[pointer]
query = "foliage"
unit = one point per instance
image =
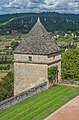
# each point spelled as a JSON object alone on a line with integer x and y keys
{"x": 6, "y": 86}
{"x": 55, "y": 84}
{"x": 42, "y": 105}
{"x": 15, "y": 44}
{"x": 6, "y": 59}
{"x": 62, "y": 38}
{"x": 52, "y": 72}
{"x": 5, "y": 67}
{"x": 70, "y": 65}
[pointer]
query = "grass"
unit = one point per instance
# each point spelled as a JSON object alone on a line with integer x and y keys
{"x": 40, "y": 106}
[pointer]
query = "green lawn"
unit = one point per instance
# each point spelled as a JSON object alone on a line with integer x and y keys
{"x": 40, "y": 106}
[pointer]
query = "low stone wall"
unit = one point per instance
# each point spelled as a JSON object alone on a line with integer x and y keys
{"x": 70, "y": 82}
{"x": 22, "y": 96}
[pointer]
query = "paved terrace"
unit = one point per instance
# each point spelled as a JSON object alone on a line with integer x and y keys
{"x": 69, "y": 111}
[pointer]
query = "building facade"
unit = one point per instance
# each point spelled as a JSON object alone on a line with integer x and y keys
{"x": 33, "y": 56}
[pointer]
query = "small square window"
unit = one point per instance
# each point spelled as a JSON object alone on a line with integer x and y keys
{"x": 30, "y": 58}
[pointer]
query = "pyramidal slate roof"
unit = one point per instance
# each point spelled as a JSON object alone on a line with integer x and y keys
{"x": 37, "y": 41}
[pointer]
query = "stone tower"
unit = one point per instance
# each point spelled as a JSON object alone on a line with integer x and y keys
{"x": 32, "y": 58}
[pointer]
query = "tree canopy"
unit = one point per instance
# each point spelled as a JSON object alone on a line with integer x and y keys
{"x": 70, "y": 65}
{"x": 6, "y": 86}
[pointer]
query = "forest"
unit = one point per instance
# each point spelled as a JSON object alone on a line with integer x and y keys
{"x": 54, "y": 22}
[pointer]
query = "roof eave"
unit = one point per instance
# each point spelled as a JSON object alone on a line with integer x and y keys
{"x": 15, "y": 52}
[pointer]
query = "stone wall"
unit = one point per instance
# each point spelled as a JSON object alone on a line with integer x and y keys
{"x": 22, "y": 96}
{"x": 46, "y": 59}
{"x": 35, "y": 58}
{"x": 54, "y": 57}
{"x": 27, "y": 75}
{"x": 70, "y": 82}
{"x": 58, "y": 63}
{"x": 53, "y": 60}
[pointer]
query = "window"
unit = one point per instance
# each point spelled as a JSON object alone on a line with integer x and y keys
{"x": 30, "y": 58}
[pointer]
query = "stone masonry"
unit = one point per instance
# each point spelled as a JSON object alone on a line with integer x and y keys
{"x": 33, "y": 57}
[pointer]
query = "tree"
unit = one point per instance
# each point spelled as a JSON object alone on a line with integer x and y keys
{"x": 8, "y": 66}
{"x": 5, "y": 59}
{"x": 70, "y": 65}
{"x": 52, "y": 72}
{"x": 2, "y": 59}
{"x": 7, "y": 86}
{"x": 15, "y": 44}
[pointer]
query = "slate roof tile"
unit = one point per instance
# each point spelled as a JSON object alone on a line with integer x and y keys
{"x": 37, "y": 41}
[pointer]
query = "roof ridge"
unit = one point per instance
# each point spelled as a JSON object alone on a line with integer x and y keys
{"x": 38, "y": 20}
{"x": 38, "y": 27}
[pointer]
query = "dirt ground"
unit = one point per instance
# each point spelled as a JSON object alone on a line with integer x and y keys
{"x": 72, "y": 85}
{"x": 70, "y": 111}
{"x": 2, "y": 75}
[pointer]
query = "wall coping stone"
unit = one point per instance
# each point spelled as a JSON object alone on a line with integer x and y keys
{"x": 70, "y": 82}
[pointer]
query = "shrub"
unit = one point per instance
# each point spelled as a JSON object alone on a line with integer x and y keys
{"x": 6, "y": 87}
{"x": 52, "y": 72}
